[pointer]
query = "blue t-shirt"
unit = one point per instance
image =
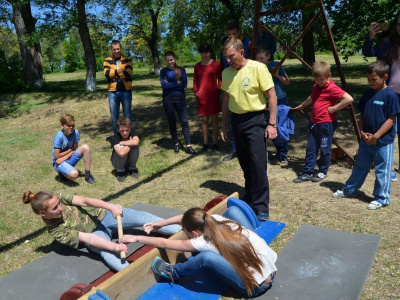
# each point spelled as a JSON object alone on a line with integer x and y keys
{"x": 172, "y": 87}
{"x": 278, "y": 86}
{"x": 63, "y": 142}
{"x": 376, "y": 107}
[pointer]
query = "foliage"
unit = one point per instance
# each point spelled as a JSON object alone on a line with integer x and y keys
{"x": 72, "y": 53}
{"x": 12, "y": 76}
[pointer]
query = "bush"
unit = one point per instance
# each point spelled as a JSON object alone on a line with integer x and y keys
{"x": 12, "y": 75}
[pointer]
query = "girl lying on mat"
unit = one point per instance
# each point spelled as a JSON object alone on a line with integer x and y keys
{"x": 72, "y": 219}
{"x": 234, "y": 253}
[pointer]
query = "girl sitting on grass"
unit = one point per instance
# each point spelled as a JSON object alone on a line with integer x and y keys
{"x": 234, "y": 253}
{"x": 72, "y": 219}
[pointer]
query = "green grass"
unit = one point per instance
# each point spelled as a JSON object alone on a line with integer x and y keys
{"x": 178, "y": 181}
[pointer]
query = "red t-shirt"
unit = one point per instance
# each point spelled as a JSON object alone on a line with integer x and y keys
{"x": 322, "y": 98}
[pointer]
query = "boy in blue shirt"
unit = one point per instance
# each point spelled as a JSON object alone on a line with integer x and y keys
{"x": 263, "y": 55}
{"x": 379, "y": 107}
{"x": 66, "y": 153}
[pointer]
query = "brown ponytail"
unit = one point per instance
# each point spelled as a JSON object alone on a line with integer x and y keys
{"x": 38, "y": 201}
{"x": 234, "y": 246}
{"x": 178, "y": 72}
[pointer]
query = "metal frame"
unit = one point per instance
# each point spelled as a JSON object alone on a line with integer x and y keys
{"x": 291, "y": 50}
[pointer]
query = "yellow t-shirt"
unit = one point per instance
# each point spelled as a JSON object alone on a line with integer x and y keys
{"x": 246, "y": 87}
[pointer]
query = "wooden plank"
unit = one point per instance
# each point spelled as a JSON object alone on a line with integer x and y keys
{"x": 138, "y": 277}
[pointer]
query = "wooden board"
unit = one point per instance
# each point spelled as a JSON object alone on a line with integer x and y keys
{"x": 138, "y": 277}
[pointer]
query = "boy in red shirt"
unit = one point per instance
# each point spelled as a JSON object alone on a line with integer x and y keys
{"x": 324, "y": 98}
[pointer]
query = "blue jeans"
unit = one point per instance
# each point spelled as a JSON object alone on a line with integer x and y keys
{"x": 235, "y": 214}
{"x": 382, "y": 158}
{"x": 217, "y": 264}
{"x": 131, "y": 219}
{"x": 67, "y": 165}
{"x": 319, "y": 140}
{"x": 115, "y": 99}
{"x": 172, "y": 103}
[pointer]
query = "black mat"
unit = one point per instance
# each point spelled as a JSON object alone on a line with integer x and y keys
{"x": 50, "y": 276}
{"x": 319, "y": 263}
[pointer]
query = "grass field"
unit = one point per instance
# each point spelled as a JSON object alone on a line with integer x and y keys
{"x": 179, "y": 181}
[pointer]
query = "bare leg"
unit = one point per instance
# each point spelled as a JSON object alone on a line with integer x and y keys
{"x": 84, "y": 150}
{"x": 204, "y": 127}
{"x": 215, "y": 127}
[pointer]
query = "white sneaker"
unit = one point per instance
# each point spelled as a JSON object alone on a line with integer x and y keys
{"x": 338, "y": 194}
{"x": 375, "y": 205}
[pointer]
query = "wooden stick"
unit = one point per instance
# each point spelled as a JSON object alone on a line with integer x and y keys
{"x": 120, "y": 234}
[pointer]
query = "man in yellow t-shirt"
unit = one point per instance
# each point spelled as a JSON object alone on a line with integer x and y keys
{"x": 246, "y": 84}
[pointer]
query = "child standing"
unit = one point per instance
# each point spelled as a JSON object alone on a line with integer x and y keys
{"x": 324, "y": 97}
{"x": 66, "y": 153}
{"x": 125, "y": 153}
{"x": 280, "y": 77}
{"x": 379, "y": 107}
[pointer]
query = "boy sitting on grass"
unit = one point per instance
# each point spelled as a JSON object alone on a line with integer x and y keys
{"x": 66, "y": 153}
{"x": 324, "y": 98}
{"x": 125, "y": 153}
{"x": 379, "y": 107}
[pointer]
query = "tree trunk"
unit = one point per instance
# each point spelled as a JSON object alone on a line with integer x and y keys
{"x": 308, "y": 39}
{"x": 30, "y": 49}
{"x": 87, "y": 46}
{"x": 152, "y": 43}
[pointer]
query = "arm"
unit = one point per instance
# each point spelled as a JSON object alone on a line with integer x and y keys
{"x": 219, "y": 76}
{"x": 369, "y": 49}
{"x": 99, "y": 242}
{"x": 307, "y": 102}
{"x": 271, "y": 131}
{"x": 195, "y": 79}
{"x": 225, "y": 117}
{"x": 165, "y": 83}
{"x": 179, "y": 245}
{"x": 153, "y": 226}
{"x": 116, "y": 209}
{"x": 63, "y": 156}
{"x": 373, "y": 139}
{"x": 345, "y": 101}
{"x": 283, "y": 79}
{"x": 132, "y": 142}
{"x": 126, "y": 70}
{"x": 183, "y": 82}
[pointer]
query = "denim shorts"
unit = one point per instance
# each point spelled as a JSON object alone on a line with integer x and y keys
{"x": 66, "y": 166}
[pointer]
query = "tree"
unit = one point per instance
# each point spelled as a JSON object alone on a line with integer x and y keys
{"x": 144, "y": 18}
{"x": 72, "y": 13}
{"x": 25, "y": 27}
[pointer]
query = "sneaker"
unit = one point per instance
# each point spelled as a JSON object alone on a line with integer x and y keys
{"x": 134, "y": 173}
{"x": 262, "y": 216}
{"x": 205, "y": 147}
{"x": 338, "y": 194}
{"x": 283, "y": 161}
{"x": 163, "y": 269}
{"x": 318, "y": 177}
{"x": 121, "y": 176}
{"x": 393, "y": 176}
{"x": 230, "y": 156}
{"x": 190, "y": 150}
{"x": 302, "y": 177}
{"x": 374, "y": 205}
{"x": 89, "y": 178}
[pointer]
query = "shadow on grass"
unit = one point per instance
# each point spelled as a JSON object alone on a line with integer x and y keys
{"x": 334, "y": 186}
{"x": 223, "y": 187}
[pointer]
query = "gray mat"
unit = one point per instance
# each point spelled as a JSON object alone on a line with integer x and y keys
{"x": 50, "y": 276}
{"x": 319, "y": 263}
